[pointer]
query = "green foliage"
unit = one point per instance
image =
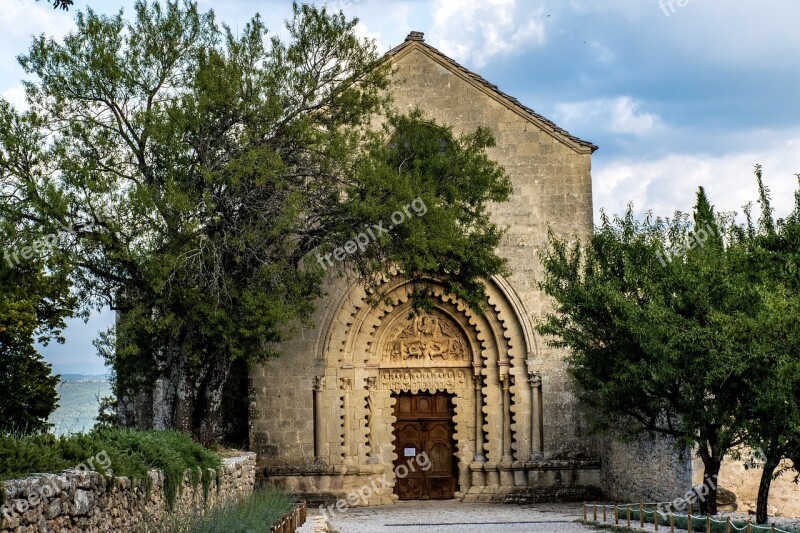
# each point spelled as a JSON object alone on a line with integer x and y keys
{"x": 205, "y": 168}
{"x": 642, "y": 327}
{"x": 694, "y": 341}
{"x": 452, "y": 239}
{"x": 130, "y": 453}
{"x": 768, "y": 336}
{"x": 35, "y": 300}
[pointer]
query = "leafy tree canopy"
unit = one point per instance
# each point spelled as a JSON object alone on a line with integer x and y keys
{"x": 205, "y": 169}
{"x": 642, "y": 306}
{"x": 35, "y": 299}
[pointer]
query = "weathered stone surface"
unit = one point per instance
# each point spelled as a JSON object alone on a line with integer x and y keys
{"x": 79, "y": 501}
{"x": 784, "y": 494}
{"x": 646, "y": 470}
{"x": 335, "y": 383}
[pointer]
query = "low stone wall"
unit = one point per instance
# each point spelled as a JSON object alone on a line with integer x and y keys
{"x": 645, "y": 471}
{"x": 88, "y": 502}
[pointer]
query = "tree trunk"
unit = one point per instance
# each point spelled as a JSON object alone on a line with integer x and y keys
{"x": 763, "y": 491}
{"x": 209, "y": 408}
{"x": 183, "y": 402}
{"x": 711, "y": 467}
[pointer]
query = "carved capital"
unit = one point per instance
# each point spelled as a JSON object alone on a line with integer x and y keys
{"x": 534, "y": 379}
{"x": 319, "y": 383}
{"x": 346, "y": 383}
{"x": 371, "y": 383}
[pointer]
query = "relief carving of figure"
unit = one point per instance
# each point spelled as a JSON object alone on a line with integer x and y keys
{"x": 427, "y": 337}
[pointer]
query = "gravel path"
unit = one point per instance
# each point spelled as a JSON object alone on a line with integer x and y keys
{"x": 451, "y": 517}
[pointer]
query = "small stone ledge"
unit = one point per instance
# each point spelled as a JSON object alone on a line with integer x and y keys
{"x": 553, "y": 495}
{"x": 559, "y": 464}
{"x": 311, "y": 469}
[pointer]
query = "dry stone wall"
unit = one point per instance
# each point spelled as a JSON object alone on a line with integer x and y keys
{"x": 85, "y": 501}
{"x": 646, "y": 470}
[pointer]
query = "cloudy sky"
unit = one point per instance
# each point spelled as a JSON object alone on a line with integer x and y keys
{"x": 676, "y": 93}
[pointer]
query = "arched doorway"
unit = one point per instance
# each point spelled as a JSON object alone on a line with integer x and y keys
{"x": 373, "y": 353}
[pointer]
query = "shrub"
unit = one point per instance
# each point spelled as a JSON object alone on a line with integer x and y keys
{"x": 255, "y": 513}
{"x": 130, "y": 453}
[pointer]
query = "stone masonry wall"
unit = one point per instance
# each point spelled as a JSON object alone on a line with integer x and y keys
{"x": 784, "y": 494}
{"x": 85, "y": 501}
{"x": 552, "y": 191}
{"x": 645, "y": 471}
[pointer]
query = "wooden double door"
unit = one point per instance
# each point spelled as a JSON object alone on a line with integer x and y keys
{"x": 424, "y": 438}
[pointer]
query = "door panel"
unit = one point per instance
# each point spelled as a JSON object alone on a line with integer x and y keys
{"x": 409, "y": 444}
{"x": 439, "y": 447}
{"x": 424, "y": 424}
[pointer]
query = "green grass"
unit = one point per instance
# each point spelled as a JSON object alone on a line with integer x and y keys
{"x": 250, "y": 515}
{"x": 131, "y": 453}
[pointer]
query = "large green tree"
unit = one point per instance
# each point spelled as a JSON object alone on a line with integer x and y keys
{"x": 210, "y": 167}
{"x": 640, "y": 306}
{"x": 30, "y": 302}
{"x": 35, "y": 298}
{"x": 766, "y": 333}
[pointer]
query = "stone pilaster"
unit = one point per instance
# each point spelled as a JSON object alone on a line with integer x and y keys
{"x": 319, "y": 423}
{"x": 537, "y": 432}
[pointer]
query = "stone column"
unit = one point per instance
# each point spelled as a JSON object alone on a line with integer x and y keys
{"x": 476, "y": 467}
{"x": 505, "y": 466}
{"x": 505, "y": 380}
{"x": 374, "y": 453}
{"x": 537, "y": 431}
{"x": 319, "y": 384}
{"x": 346, "y": 384}
{"x": 479, "y": 457}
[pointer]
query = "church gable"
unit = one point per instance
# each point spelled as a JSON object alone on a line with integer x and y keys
{"x": 417, "y": 51}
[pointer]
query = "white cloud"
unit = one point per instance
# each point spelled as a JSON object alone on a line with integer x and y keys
{"x": 363, "y": 32}
{"x": 16, "y": 96}
{"x": 474, "y": 32}
{"x": 19, "y": 19}
{"x": 669, "y": 183}
{"x": 619, "y": 115}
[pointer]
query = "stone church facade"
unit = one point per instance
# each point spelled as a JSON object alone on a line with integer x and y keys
{"x": 480, "y": 396}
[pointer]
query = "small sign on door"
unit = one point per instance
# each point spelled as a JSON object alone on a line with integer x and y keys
{"x": 409, "y": 452}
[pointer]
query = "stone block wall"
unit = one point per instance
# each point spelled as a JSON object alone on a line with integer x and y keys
{"x": 84, "y": 501}
{"x": 646, "y": 470}
{"x": 784, "y": 493}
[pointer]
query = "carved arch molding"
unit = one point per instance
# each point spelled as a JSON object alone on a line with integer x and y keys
{"x": 484, "y": 358}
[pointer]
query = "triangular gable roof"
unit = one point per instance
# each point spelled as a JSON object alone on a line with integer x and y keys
{"x": 415, "y": 41}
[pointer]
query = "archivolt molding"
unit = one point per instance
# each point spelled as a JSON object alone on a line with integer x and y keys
{"x": 357, "y": 332}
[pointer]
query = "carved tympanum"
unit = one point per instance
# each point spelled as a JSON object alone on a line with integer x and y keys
{"x": 426, "y": 338}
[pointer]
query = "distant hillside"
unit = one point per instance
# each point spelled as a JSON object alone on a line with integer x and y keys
{"x": 79, "y": 396}
{"x": 85, "y": 377}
